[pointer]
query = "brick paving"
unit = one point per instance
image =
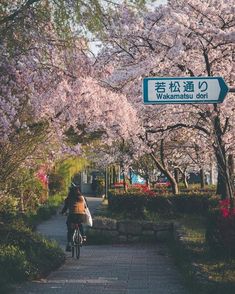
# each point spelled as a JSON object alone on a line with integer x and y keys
{"x": 108, "y": 269}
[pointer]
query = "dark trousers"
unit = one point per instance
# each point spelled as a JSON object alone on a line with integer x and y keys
{"x": 74, "y": 219}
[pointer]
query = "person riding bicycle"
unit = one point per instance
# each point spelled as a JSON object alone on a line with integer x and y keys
{"x": 75, "y": 203}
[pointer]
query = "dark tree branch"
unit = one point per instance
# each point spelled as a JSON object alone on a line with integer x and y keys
{"x": 184, "y": 68}
{"x": 131, "y": 55}
{"x": 162, "y": 153}
{"x": 208, "y": 67}
{"x": 178, "y": 126}
{"x": 225, "y": 126}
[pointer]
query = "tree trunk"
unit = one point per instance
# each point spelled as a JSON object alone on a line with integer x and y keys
{"x": 114, "y": 174}
{"x": 119, "y": 174}
{"x": 124, "y": 176}
{"x": 184, "y": 177}
{"x": 124, "y": 182}
{"x": 176, "y": 174}
{"x": 174, "y": 185}
{"x": 224, "y": 185}
{"x": 106, "y": 183}
{"x": 166, "y": 173}
{"x": 212, "y": 173}
{"x": 147, "y": 182}
{"x": 231, "y": 168}
{"x": 202, "y": 178}
{"x": 130, "y": 172}
{"x": 224, "y": 180}
{"x": 110, "y": 177}
{"x": 185, "y": 180}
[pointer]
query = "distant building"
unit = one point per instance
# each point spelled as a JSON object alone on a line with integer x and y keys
{"x": 88, "y": 180}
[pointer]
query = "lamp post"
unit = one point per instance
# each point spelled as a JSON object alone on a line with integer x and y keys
{"x": 106, "y": 183}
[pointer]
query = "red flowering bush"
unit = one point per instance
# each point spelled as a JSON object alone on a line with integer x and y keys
{"x": 119, "y": 184}
{"x": 227, "y": 210}
{"x": 221, "y": 228}
{"x": 146, "y": 190}
{"x": 226, "y": 225}
{"x": 135, "y": 188}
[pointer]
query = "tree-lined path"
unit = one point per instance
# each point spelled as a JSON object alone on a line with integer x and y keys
{"x": 111, "y": 269}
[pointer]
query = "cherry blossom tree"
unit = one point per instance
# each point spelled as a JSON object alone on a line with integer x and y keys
{"x": 36, "y": 67}
{"x": 48, "y": 87}
{"x": 182, "y": 38}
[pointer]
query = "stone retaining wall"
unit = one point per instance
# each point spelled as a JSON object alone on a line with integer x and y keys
{"x": 131, "y": 231}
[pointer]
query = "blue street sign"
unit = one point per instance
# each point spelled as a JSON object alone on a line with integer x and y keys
{"x": 185, "y": 90}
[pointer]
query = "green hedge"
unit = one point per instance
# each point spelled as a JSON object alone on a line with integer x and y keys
{"x": 136, "y": 203}
{"x": 25, "y": 254}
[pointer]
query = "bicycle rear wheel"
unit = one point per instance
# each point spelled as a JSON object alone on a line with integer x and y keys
{"x": 76, "y": 243}
{"x": 73, "y": 249}
{"x": 77, "y": 251}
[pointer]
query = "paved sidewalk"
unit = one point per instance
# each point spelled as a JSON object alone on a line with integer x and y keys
{"x": 109, "y": 269}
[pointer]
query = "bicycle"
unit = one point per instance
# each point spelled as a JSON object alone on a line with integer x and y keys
{"x": 77, "y": 241}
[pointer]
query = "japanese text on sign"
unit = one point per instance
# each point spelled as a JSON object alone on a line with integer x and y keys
{"x": 165, "y": 89}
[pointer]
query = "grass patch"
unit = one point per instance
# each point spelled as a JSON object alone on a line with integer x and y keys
{"x": 204, "y": 273}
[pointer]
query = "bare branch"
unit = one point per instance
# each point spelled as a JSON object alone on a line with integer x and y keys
{"x": 178, "y": 126}
{"x": 226, "y": 125}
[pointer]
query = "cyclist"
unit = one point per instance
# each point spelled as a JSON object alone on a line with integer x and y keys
{"x": 75, "y": 203}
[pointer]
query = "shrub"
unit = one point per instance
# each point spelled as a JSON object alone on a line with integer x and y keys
{"x": 161, "y": 189}
{"x": 100, "y": 186}
{"x": 220, "y": 232}
{"x": 14, "y": 266}
{"x": 136, "y": 203}
{"x": 28, "y": 188}
{"x": 44, "y": 211}
{"x": 132, "y": 203}
{"x": 56, "y": 183}
{"x": 142, "y": 189}
{"x": 197, "y": 188}
{"x": 8, "y": 207}
{"x": 42, "y": 255}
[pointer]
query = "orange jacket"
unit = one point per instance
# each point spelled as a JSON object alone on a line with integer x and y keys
{"x": 74, "y": 206}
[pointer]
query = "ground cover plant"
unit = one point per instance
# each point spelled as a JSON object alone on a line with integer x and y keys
{"x": 204, "y": 271}
{"x": 24, "y": 254}
{"x": 44, "y": 212}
